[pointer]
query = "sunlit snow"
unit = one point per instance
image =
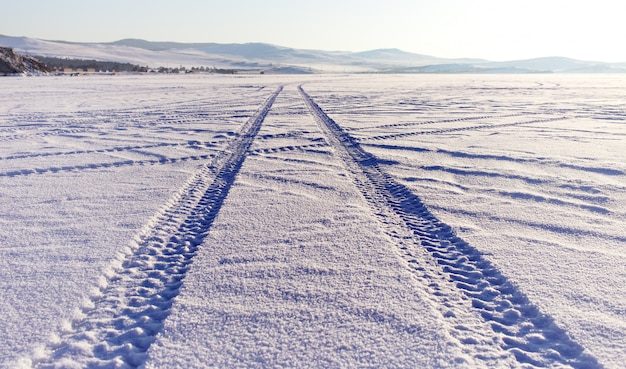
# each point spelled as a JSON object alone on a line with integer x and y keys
{"x": 313, "y": 221}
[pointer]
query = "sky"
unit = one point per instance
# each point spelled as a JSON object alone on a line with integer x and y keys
{"x": 496, "y": 30}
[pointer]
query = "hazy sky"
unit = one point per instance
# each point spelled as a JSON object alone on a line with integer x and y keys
{"x": 490, "y": 29}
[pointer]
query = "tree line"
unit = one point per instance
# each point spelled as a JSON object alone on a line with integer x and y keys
{"x": 54, "y": 63}
{"x": 84, "y": 64}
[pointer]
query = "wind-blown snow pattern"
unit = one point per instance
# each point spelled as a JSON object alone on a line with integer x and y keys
{"x": 332, "y": 221}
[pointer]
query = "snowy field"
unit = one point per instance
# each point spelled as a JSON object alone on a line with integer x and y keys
{"x": 461, "y": 221}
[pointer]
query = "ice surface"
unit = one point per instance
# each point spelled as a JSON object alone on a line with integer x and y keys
{"x": 429, "y": 221}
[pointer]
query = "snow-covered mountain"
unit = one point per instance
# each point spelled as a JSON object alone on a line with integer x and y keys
{"x": 261, "y": 56}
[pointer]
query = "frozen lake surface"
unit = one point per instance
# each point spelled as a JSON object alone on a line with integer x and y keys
{"x": 313, "y": 221}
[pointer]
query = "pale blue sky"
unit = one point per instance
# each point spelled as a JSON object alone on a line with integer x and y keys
{"x": 490, "y": 29}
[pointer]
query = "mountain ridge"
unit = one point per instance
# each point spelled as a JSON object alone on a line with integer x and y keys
{"x": 257, "y": 56}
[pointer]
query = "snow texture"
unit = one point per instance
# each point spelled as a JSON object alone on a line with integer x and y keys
{"x": 318, "y": 221}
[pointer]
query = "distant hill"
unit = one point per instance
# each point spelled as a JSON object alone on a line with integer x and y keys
{"x": 260, "y": 57}
{"x": 14, "y": 63}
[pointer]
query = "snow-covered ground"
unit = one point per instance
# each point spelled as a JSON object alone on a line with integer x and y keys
{"x": 313, "y": 221}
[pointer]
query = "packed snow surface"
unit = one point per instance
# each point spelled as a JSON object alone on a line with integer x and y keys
{"x": 320, "y": 221}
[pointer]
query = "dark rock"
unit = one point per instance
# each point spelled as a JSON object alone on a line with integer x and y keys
{"x": 14, "y": 63}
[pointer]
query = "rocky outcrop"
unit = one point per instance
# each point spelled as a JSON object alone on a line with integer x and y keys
{"x": 14, "y": 63}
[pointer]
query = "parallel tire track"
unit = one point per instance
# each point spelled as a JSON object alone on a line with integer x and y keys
{"x": 161, "y": 160}
{"x": 463, "y": 284}
{"x": 461, "y": 129}
{"x": 94, "y": 166}
{"x": 95, "y": 125}
{"x": 455, "y": 120}
{"x": 190, "y": 144}
{"x": 45, "y": 126}
{"x": 183, "y": 109}
{"x": 115, "y": 328}
{"x": 273, "y": 150}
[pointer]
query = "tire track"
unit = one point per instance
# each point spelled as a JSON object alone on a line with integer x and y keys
{"x": 119, "y": 322}
{"x": 125, "y": 120}
{"x": 190, "y": 144}
{"x": 502, "y": 158}
{"x": 461, "y": 129}
{"x": 54, "y": 132}
{"x": 456, "y": 120}
{"x": 108, "y": 124}
{"x": 274, "y": 150}
{"x": 464, "y": 285}
{"x": 85, "y": 116}
{"x": 62, "y": 124}
{"x": 93, "y": 166}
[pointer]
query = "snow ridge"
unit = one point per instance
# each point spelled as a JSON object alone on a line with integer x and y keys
{"x": 119, "y": 322}
{"x": 490, "y": 318}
